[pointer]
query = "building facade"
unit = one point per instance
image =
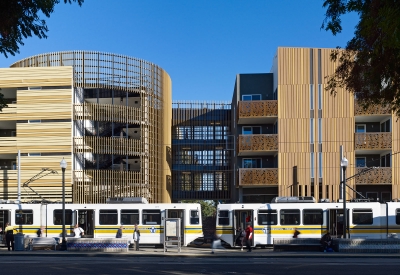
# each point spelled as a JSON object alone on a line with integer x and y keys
{"x": 108, "y": 116}
{"x": 202, "y": 150}
{"x": 290, "y": 131}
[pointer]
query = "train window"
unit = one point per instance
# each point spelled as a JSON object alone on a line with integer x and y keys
{"x": 57, "y": 217}
{"x": 129, "y": 216}
{"x": 223, "y": 217}
{"x": 290, "y": 216}
{"x": 109, "y": 216}
{"x": 151, "y": 217}
{"x": 194, "y": 217}
{"x": 397, "y": 216}
{"x": 24, "y": 217}
{"x": 267, "y": 217}
{"x": 362, "y": 216}
{"x": 312, "y": 216}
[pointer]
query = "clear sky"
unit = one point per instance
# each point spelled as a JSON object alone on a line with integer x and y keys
{"x": 201, "y": 44}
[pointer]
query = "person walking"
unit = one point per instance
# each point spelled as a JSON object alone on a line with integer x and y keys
{"x": 9, "y": 231}
{"x": 119, "y": 232}
{"x": 78, "y": 231}
{"x": 39, "y": 232}
{"x": 249, "y": 236}
{"x": 136, "y": 237}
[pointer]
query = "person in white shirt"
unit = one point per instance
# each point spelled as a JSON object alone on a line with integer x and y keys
{"x": 78, "y": 231}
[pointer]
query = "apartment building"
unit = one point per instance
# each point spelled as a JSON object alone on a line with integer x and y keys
{"x": 202, "y": 150}
{"x": 290, "y": 131}
{"x": 107, "y": 115}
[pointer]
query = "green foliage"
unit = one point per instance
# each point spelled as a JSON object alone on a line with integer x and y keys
{"x": 21, "y": 19}
{"x": 208, "y": 208}
{"x": 369, "y": 66}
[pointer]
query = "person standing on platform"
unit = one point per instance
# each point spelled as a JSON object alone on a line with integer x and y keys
{"x": 136, "y": 237}
{"x": 249, "y": 236}
{"x": 9, "y": 231}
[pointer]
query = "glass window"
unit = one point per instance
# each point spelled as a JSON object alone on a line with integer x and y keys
{"x": 57, "y": 217}
{"x": 290, "y": 216}
{"x": 223, "y": 217}
{"x": 246, "y": 97}
{"x": 361, "y": 162}
{"x": 362, "y": 216}
{"x": 151, "y": 217}
{"x": 129, "y": 216}
{"x": 267, "y": 217}
{"x": 312, "y": 216}
{"x": 312, "y": 97}
{"x": 360, "y": 128}
{"x": 24, "y": 217}
{"x": 397, "y": 216}
{"x": 194, "y": 217}
{"x": 34, "y": 154}
{"x": 109, "y": 216}
{"x": 251, "y": 163}
{"x": 34, "y": 121}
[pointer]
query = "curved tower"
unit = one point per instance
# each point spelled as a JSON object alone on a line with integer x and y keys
{"x": 121, "y": 125}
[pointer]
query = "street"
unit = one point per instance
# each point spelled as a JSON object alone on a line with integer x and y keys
{"x": 178, "y": 265}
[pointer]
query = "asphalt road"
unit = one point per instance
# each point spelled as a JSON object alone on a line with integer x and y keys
{"x": 177, "y": 265}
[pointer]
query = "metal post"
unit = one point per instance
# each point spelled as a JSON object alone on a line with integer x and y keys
{"x": 344, "y": 204}
{"x": 63, "y": 165}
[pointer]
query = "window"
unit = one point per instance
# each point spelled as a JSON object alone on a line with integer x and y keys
{"x": 151, "y": 217}
{"x": 194, "y": 217}
{"x": 108, "y": 217}
{"x": 251, "y": 130}
{"x": 385, "y": 126}
{"x": 251, "y": 163}
{"x": 319, "y": 97}
{"x": 57, "y": 217}
{"x": 311, "y": 131}
{"x": 311, "y": 96}
{"x": 34, "y": 121}
{"x": 130, "y": 216}
{"x": 362, "y": 216}
{"x": 24, "y": 217}
{"x": 361, "y": 162}
{"x": 320, "y": 164}
{"x": 312, "y": 165}
{"x": 267, "y": 217}
{"x": 312, "y": 216}
{"x": 251, "y": 97}
{"x": 397, "y": 216}
{"x": 35, "y": 88}
{"x": 34, "y": 154}
{"x": 360, "y": 128}
{"x": 290, "y": 216}
{"x": 386, "y": 196}
{"x": 223, "y": 217}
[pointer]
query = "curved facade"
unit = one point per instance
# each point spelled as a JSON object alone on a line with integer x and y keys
{"x": 121, "y": 125}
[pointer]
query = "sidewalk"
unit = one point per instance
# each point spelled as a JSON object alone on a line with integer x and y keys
{"x": 197, "y": 252}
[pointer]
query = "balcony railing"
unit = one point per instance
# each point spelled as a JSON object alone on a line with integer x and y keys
{"x": 371, "y": 110}
{"x": 259, "y": 108}
{"x": 370, "y": 141}
{"x": 379, "y": 175}
{"x": 258, "y": 176}
{"x": 258, "y": 143}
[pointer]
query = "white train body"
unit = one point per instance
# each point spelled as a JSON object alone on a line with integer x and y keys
{"x": 279, "y": 220}
{"x": 103, "y": 220}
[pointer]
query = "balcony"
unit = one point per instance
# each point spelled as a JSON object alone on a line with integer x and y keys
{"x": 373, "y": 141}
{"x": 380, "y": 175}
{"x": 258, "y": 176}
{"x": 252, "y": 145}
{"x": 260, "y": 111}
{"x": 371, "y": 110}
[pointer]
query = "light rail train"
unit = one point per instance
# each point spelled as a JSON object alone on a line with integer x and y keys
{"x": 103, "y": 220}
{"x": 372, "y": 220}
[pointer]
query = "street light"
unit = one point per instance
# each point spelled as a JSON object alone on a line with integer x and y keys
{"x": 63, "y": 165}
{"x": 343, "y": 163}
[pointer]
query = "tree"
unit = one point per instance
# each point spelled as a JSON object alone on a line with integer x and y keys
{"x": 369, "y": 66}
{"x": 20, "y": 19}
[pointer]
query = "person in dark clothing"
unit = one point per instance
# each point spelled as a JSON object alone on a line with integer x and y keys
{"x": 39, "y": 232}
{"x": 119, "y": 232}
{"x": 136, "y": 237}
{"x": 296, "y": 233}
{"x": 326, "y": 241}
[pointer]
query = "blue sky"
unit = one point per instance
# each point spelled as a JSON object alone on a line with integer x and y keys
{"x": 202, "y": 45}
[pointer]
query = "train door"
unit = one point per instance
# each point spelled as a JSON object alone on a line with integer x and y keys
{"x": 241, "y": 217}
{"x": 335, "y": 222}
{"x": 4, "y": 218}
{"x": 85, "y": 219}
{"x": 178, "y": 214}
